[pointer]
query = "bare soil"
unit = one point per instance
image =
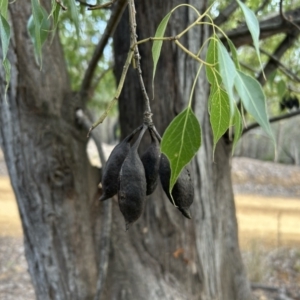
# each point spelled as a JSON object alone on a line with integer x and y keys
{"x": 268, "y": 211}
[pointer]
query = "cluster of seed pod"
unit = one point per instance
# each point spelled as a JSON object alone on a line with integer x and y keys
{"x": 133, "y": 177}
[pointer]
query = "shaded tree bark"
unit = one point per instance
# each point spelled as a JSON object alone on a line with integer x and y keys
{"x": 210, "y": 266}
{"x": 46, "y": 157}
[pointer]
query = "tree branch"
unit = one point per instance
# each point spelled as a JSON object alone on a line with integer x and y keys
{"x": 272, "y": 120}
{"x": 226, "y": 13}
{"x": 271, "y": 26}
{"x": 283, "y": 16}
{"x": 109, "y": 30}
{"x": 272, "y": 64}
{"x": 281, "y": 66}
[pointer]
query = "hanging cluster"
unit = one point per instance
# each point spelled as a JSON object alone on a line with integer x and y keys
{"x": 133, "y": 177}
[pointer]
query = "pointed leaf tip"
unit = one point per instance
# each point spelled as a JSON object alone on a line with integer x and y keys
{"x": 156, "y": 48}
{"x": 181, "y": 141}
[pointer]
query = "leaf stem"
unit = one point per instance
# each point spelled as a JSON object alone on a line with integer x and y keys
{"x": 188, "y": 5}
{"x": 194, "y": 84}
{"x": 169, "y": 38}
{"x": 192, "y": 54}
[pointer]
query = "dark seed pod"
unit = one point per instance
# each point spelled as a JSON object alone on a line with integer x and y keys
{"x": 132, "y": 185}
{"x": 151, "y": 160}
{"x": 183, "y": 190}
{"x": 113, "y": 165}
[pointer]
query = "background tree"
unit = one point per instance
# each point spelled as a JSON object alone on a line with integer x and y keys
{"x": 67, "y": 234}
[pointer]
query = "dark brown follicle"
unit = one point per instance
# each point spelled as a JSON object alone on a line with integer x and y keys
{"x": 113, "y": 166}
{"x": 132, "y": 185}
{"x": 183, "y": 190}
{"x": 151, "y": 160}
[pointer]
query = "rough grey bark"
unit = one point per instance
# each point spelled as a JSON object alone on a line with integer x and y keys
{"x": 46, "y": 157}
{"x": 210, "y": 266}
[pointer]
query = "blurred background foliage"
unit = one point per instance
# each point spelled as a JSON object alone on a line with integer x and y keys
{"x": 78, "y": 53}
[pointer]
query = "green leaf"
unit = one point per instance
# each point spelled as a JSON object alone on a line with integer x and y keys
{"x": 271, "y": 77}
{"x": 281, "y": 88}
{"x": 5, "y": 35}
{"x": 7, "y": 67}
{"x": 253, "y": 98}
{"x": 4, "y": 8}
{"x": 213, "y": 89}
{"x": 5, "y": 39}
{"x": 234, "y": 54}
{"x": 38, "y": 27}
{"x": 55, "y": 15}
{"x": 74, "y": 14}
{"x": 156, "y": 48}
{"x": 35, "y": 32}
{"x": 219, "y": 114}
{"x": 253, "y": 26}
{"x": 212, "y": 73}
{"x": 238, "y": 127}
{"x": 181, "y": 142}
{"x": 228, "y": 73}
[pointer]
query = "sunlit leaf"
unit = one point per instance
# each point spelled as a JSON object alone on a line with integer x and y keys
{"x": 156, "y": 48}
{"x": 228, "y": 73}
{"x": 5, "y": 39}
{"x": 35, "y": 26}
{"x": 212, "y": 73}
{"x": 238, "y": 127}
{"x": 281, "y": 88}
{"x": 7, "y": 67}
{"x": 253, "y": 98}
{"x": 40, "y": 23}
{"x": 55, "y": 15}
{"x": 234, "y": 54}
{"x": 181, "y": 142}
{"x": 213, "y": 89}
{"x": 74, "y": 14}
{"x": 5, "y": 35}
{"x": 253, "y": 26}
{"x": 3, "y": 8}
{"x": 219, "y": 114}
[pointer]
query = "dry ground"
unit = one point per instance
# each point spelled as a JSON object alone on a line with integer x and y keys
{"x": 268, "y": 219}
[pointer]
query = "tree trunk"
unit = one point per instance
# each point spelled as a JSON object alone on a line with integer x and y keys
{"x": 163, "y": 255}
{"x": 175, "y": 258}
{"x": 46, "y": 157}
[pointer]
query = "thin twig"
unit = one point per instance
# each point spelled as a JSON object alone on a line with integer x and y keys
{"x": 283, "y": 16}
{"x": 150, "y": 39}
{"x": 132, "y": 20}
{"x": 272, "y": 120}
{"x": 255, "y": 285}
{"x": 101, "y": 6}
{"x": 109, "y": 31}
{"x": 61, "y": 5}
{"x": 117, "y": 93}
